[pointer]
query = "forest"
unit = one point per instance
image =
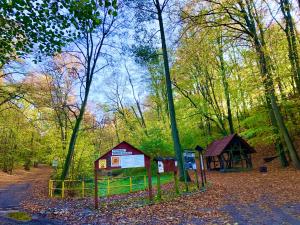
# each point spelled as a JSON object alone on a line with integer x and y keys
{"x": 78, "y": 77}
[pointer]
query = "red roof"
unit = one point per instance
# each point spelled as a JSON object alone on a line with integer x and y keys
{"x": 125, "y": 145}
{"x": 217, "y": 147}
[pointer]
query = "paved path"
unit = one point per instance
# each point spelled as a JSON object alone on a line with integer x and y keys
{"x": 10, "y": 199}
{"x": 254, "y": 213}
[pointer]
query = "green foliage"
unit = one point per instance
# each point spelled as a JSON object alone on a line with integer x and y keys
{"x": 257, "y": 128}
{"x": 156, "y": 143}
{"x": 31, "y": 124}
{"x": 46, "y": 26}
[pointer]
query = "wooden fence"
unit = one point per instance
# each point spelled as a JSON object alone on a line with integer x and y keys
{"x": 108, "y": 183}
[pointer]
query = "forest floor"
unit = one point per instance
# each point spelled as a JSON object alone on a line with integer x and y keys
{"x": 231, "y": 198}
{"x": 15, "y": 188}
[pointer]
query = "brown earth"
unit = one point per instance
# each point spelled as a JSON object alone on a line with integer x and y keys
{"x": 244, "y": 197}
{"x": 34, "y": 175}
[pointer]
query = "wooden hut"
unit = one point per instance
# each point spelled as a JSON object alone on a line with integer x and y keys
{"x": 229, "y": 152}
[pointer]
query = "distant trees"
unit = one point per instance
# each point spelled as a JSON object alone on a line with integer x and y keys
{"x": 243, "y": 21}
{"x": 234, "y": 68}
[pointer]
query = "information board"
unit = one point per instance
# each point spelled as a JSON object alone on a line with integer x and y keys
{"x": 120, "y": 152}
{"x": 122, "y": 156}
{"x": 132, "y": 161}
{"x": 189, "y": 160}
{"x": 102, "y": 163}
{"x": 115, "y": 161}
{"x": 160, "y": 166}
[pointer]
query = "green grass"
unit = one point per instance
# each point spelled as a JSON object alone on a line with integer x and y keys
{"x": 20, "y": 216}
{"x": 120, "y": 185}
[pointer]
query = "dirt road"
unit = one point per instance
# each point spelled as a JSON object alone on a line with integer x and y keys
{"x": 16, "y": 188}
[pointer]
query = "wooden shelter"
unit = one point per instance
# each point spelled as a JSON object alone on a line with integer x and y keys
{"x": 229, "y": 152}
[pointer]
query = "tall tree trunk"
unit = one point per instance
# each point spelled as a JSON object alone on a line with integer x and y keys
{"x": 275, "y": 111}
{"x": 278, "y": 144}
{"x": 253, "y": 22}
{"x": 175, "y": 135}
{"x": 225, "y": 84}
{"x": 292, "y": 42}
{"x": 74, "y": 135}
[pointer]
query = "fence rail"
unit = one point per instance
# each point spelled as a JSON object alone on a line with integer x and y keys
{"x": 81, "y": 185}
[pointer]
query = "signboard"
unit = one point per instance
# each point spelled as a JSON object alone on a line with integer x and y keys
{"x": 122, "y": 156}
{"x": 160, "y": 166}
{"x": 115, "y": 161}
{"x": 55, "y": 163}
{"x": 120, "y": 152}
{"x": 102, "y": 163}
{"x": 166, "y": 165}
{"x": 189, "y": 160}
{"x": 132, "y": 161}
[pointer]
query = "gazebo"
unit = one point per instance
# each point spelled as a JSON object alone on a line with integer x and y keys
{"x": 228, "y": 153}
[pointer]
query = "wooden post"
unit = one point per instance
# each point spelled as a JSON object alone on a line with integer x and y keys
{"x": 108, "y": 188}
{"x": 197, "y": 180}
{"x": 185, "y": 181}
{"x": 51, "y": 182}
{"x": 82, "y": 186}
{"x": 201, "y": 169}
{"x": 176, "y": 182}
{"x": 96, "y": 186}
{"x": 63, "y": 189}
{"x": 49, "y": 188}
{"x": 52, "y": 188}
{"x": 158, "y": 187}
{"x": 130, "y": 184}
{"x": 149, "y": 181}
{"x": 145, "y": 184}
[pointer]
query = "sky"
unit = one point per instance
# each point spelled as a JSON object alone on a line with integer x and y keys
{"x": 106, "y": 79}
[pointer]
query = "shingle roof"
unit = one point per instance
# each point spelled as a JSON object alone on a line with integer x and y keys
{"x": 217, "y": 147}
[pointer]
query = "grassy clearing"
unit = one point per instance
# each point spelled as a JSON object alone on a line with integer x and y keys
{"x": 20, "y": 216}
{"x": 113, "y": 185}
{"x": 121, "y": 185}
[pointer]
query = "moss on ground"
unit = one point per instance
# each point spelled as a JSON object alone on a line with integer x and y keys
{"x": 20, "y": 216}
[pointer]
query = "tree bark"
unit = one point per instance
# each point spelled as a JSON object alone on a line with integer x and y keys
{"x": 176, "y": 141}
{"x": 292, "y": 42}
{"x": 225, "y": 84}
{"x": 259, "y": 44}
{"x": 74, "y": 135}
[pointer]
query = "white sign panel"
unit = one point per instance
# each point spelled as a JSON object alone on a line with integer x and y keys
{"x": 132, "y": 161}
{"x": 120, "y": 152}
{"x": 202, "y": 164}
{"x": 54, "y": 162}
{"x": 160, "y": 165}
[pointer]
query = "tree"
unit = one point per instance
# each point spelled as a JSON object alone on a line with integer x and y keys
{"x": 155, "y": 10}
{"x": 95, "y": 23}
{"x": 290, "y": 33}
{"x": 60, "y": 79}
{"x": 242, "y": 17}
{"x": 225, "y": 82}
{"x": 42, "y": 27}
